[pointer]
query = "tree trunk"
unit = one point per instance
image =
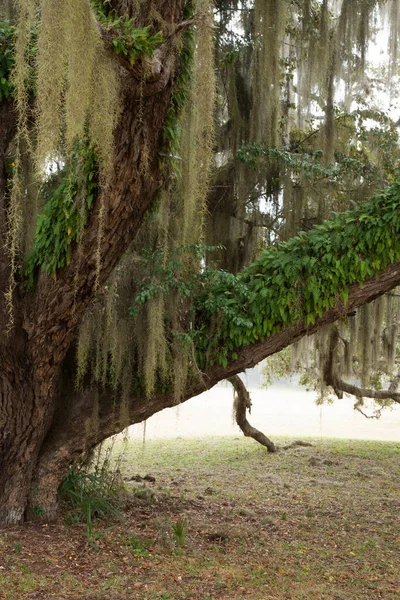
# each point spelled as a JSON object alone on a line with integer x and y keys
{"x": 46, "y": 318}
{"x": 24, "y": 419}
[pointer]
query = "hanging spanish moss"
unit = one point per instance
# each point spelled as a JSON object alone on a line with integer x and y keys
{"x": 151, "y": 343}
{"x": 51, "y": 62}
{"x": 198, "y": 127}
{"x": 74, "y": 73}
{"x": 135, "y": 337}
{"x": 77, "y": 91}
{"x": 365, "y": 352}
{"x": 20, "y": 75}
{"x": 391, "y": 329}
{"x": 270, "y": 21}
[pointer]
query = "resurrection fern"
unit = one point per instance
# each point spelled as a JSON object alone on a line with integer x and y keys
{"x": 134, "y": 42}
{"x": 129, "y": 40}
{"x": 60, "y": 223}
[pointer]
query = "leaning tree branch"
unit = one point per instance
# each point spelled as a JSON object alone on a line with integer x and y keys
{"x": 142, "y": 408}
{"x": 360, "y": 392}
{"x": 359, "y": 404}
{"x": 359, "y": 294}
{"x": 241, "y": 404}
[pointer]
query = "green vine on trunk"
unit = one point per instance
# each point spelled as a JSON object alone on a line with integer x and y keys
{"x": 163, "y": 276}
{"x": 171, "y": 131}
{"x": 62, "y": 219}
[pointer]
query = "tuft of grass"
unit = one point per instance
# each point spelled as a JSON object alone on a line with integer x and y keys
{"x": 92, "y": 494}
{"x": 180, "y": 531}
{"x": 138, "y": 545}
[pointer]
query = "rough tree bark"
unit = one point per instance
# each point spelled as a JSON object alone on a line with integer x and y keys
{"x": 42, "y": 417}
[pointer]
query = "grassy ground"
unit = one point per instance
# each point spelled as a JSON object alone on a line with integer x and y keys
{"x": 225, "y": 520}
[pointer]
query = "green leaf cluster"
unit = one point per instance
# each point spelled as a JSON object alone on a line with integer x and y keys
{"x": 129, "y": 40}
{"x": 310, "y": 164}
{"x": 160, "y": 275}
{"x": 62, "y": 218}
{"x": 356, "y": 164}
{"x": 297, "y": 280}
{"x": 7, "y": 40}
{"x": 132, "y": 41}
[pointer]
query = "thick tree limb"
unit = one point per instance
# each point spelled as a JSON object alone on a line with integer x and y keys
{"x": 241, "y": 404}
{"x": 360, "y": 392}
{"x": 70, "y": 416}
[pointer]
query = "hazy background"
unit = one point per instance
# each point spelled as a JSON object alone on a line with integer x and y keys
{"x": 283, "y": 409}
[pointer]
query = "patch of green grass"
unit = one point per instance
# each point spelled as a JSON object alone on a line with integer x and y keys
{"x": 339, "y": 537}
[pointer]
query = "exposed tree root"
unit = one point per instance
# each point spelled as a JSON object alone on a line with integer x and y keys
{"x": 296, "y": 443}
{"x": 242, "y": 403}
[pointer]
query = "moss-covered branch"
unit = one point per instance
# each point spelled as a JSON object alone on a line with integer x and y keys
{"x": 298, "y": 281}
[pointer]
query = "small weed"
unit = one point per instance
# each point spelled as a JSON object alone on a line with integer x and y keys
{"x": 180, "y": 531}
{"x": 24, "y": 569}
{"x": 284, "y": 516}
{"x": 17, "y": 548}
{"x": 38, "y": 512}
{"x": 138, "y": 546}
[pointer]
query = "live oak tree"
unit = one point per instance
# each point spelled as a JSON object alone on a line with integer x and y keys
{"x": 110, "y": 308}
